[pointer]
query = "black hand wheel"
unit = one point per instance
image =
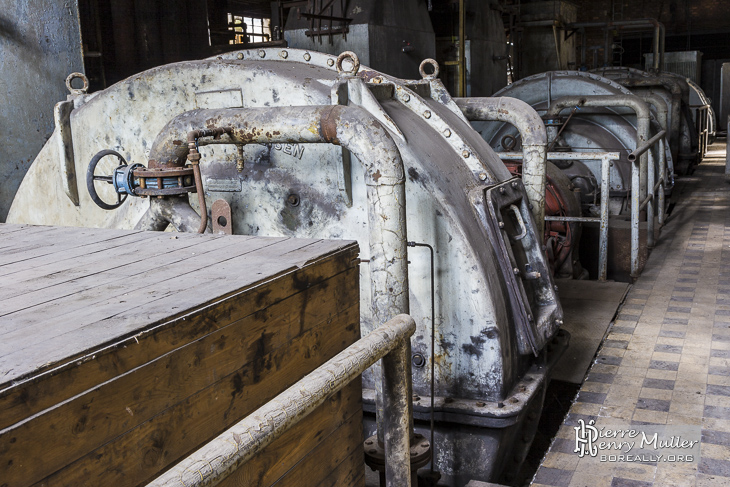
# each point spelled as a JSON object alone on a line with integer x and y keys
{"x": 91, "y": 177}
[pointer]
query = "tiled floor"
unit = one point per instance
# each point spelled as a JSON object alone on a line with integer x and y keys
{"x": 666, "y": 359}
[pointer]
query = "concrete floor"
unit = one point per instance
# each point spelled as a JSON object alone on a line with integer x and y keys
{"x": 588, "y": 308}
{"x": 665, "y": 365}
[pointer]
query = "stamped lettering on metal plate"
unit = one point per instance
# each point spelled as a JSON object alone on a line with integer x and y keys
{"x": 296, "y": 150}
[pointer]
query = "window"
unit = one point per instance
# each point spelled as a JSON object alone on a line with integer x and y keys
{"x": 249, "y": 29}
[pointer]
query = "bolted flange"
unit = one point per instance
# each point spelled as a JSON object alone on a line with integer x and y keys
{"x": 375, "y": 454}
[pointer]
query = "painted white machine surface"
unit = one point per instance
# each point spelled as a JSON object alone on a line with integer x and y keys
{"x": 495, "y": 304}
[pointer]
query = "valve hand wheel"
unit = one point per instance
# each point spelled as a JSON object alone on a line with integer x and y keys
{"x": 91, "y": 177}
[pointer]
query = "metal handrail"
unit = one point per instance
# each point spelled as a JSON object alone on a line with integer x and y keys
{"x": 219, "y": 458}
{"x": 606, "y": 159}
{"x": 654, "y": 183}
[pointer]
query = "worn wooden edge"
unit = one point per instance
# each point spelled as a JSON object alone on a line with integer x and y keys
{"x": 81, "y": 373}
{"x": 308, "y": 274}
{"x": 154, "y": 445}
{"x": 108, "y": 410}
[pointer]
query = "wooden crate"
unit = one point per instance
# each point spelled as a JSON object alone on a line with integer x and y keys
{"x": 122, "y": 352}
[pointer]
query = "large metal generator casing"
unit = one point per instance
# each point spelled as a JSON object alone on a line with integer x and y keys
{"x": 590, "y": 129}
{"x": 495, "y": 309}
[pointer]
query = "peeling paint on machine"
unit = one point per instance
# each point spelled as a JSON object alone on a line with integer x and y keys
{"x": 400, "y": 141}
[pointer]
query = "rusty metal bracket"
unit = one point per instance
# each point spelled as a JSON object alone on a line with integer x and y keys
{"x": 220, "y": 213}
{"x": 66, "y": 161}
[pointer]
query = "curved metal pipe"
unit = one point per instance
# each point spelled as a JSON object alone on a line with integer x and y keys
{"x": 662, "y": 115}
{"x": 638, "y": 177}
{"x": 174, "y": 210}
{"x": 534, "y": 142}
{"x": 678, "y": 93}
{"x": 350, "y": 127}
{"x": 194, "y": 158}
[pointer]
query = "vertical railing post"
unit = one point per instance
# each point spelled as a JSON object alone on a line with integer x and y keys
{"x": 606, "y": 164}
{"x": 650, "y": 204}
{"x": 663, "y": 181}
{"x": 398, "y": 415}
{"x": 635, "y": 211}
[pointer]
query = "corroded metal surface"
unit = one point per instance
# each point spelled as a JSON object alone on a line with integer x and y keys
{"x": 534, "y": 142}
{"x": 220, "y": 217}
{"x": 306, "y": 186}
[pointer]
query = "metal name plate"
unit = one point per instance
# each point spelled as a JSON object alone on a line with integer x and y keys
{"x": 223, "y": 185}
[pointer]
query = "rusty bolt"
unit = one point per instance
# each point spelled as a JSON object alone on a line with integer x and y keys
{"x": 330, "y": 62}
{"x": 483, "y": 176}
{"x": 481, "y": 404}
{"x": 240, "y": 55}
{"x": 447, "y": 133}
{"x": 406, "y": 97}
{"x": 465, "y": 154}
{"x": 427, "y": 114}
{"x": 262, "y": 53}
{"x": 284, "y": 54}
{"x": 377, "y": 80}
{"x": 307, "y": 57}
